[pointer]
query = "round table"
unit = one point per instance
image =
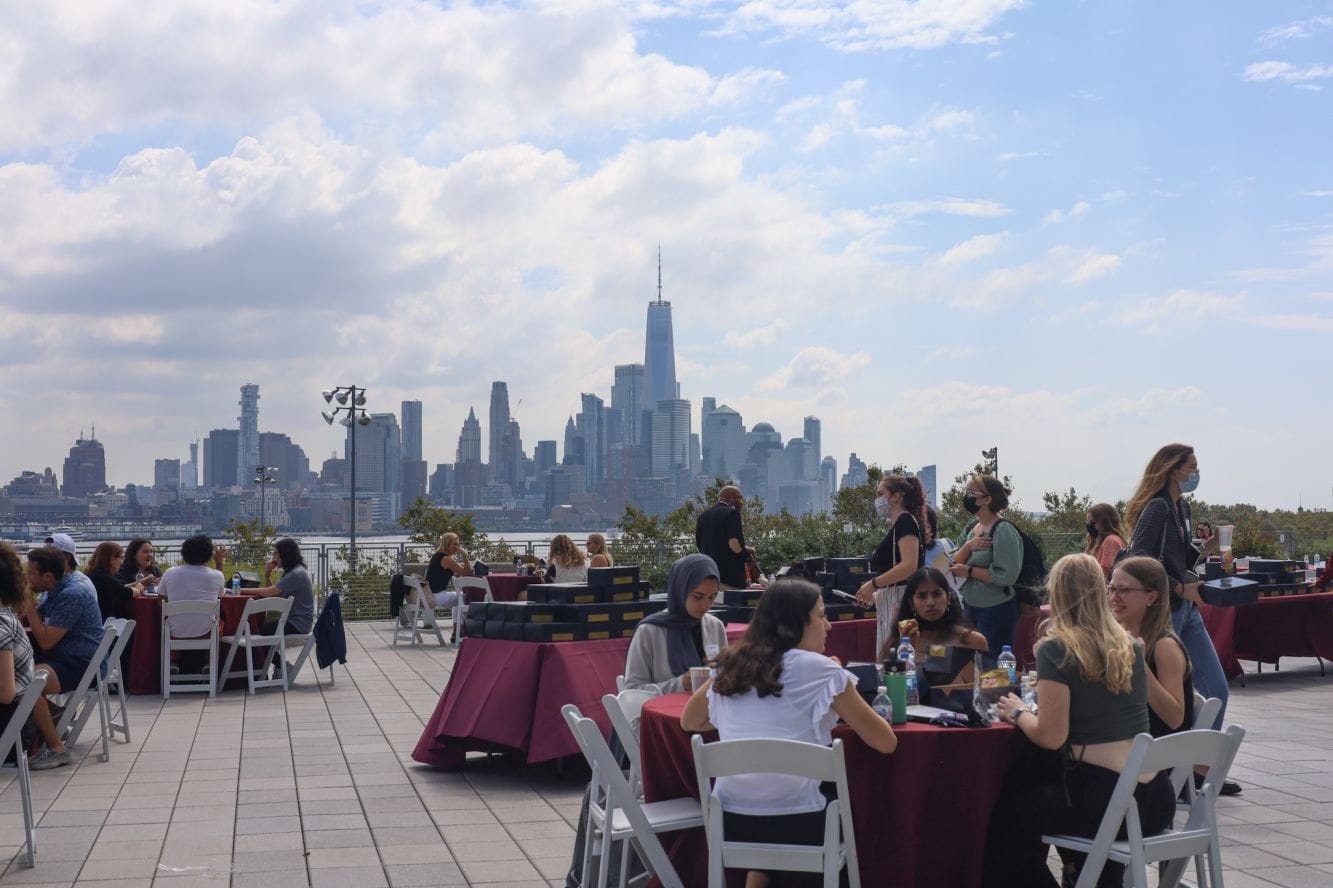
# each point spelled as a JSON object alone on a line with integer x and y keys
{"x": 921, "y": 813}
{"x": 507, "y": 586}
{"x": 144, "y": 674}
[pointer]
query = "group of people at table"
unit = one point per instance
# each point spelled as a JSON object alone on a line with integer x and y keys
{"x": 52, "y": 613}
{"x": 568, "y": 564}
{"x": 1115, "y": 658}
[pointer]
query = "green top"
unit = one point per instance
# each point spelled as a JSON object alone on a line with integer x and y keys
{"x": 1095, "y": 714}
{"x": 1005, "y": 560}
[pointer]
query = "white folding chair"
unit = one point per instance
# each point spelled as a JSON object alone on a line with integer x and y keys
{"x": 730, "y": 757}
{"x": 620, "y": 683}
{"x": 1205, "y": 711}
{"x": 11, "y": 740}
{"x": 183, "y": 682}
{"x": 624, "y": 710}
{"x": 462, "y": 585}
{"x": 1178, "y": 753}
{"x": 115, "y": 680}
{"x": 85, "y": 697}
{"x": 246, "y": 641}
{"x": 306, "y": 642}
{"x": 618, "y": 816}
{"x": 420, "y": 616}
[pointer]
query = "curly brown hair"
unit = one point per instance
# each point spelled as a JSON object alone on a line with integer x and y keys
{"x": 13, "y": 576}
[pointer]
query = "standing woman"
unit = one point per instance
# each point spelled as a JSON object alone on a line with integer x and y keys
{"x": 138, "y": 566}
{"x": 1105, "y": 538}
{"x": 1160, "y": 518}
{"x": 988, "y": 560}
{"x": 598, "y": 554}
{"x": 901, "y": 502}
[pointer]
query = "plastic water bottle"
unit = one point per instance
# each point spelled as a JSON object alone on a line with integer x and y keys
{"x": 1009, "y": 662}
{"x": 882, "y": 705}
{"x": 236, "y": 583}
{"x": 1030, "y": 689}
{"x": 907, "y": 662}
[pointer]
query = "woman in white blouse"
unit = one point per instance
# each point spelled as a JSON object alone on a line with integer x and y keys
{"x": 777, "y": 683}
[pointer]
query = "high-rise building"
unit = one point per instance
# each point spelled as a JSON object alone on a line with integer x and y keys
{"x": 379, "y": 455}
{"x": 413, "y": 473}
{"x": 857, "y": 472}
{"x": 671, "y": 439}
{"x": 543, "y": 457}
{"x": 828, "y": 473}
{"x": 628, "y": 395}
{"x": 659, "y": 352}
{"x": 278, "y": 451}
{"x": 190, "y": 470}
{"x": 930, "y": 483}
{"x": 85, "y": 467}
{"x": 801, "y": 463}
{"x": 247, "y": 453}
{"x": 442, "y": 483}
{"x": 723, "y": 443}
{"x": 499, "y": 417}
{"x": 555, "y": 488}
{"x": 573, "y": 444}
{"x": 469, "y": 439}
{"x": 592, "y": 428}
{"x": 812, "y": 434}
{"x": 220, "y": 458}
{"x": 167, "y": 474}
{"x": 509, "y": 468}
{"x": 468, "y": 470}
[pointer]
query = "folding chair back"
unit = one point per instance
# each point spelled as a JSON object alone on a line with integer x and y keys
{"x": 115, "y": 680}
{"x": 417, "y": 616}
{"x": 11, "y": 740}
{"x": 195, "y": 681}
{"x": 246, "y": 641}
{"x": 469, "y": 589}
{"x": 625, "y": 817}
{"x": 624, "y": 710}
{"x": 1205, "y": 711}
{"x": 1178, "y": 754}
{"x": 86, "y": 696}
{"x": 809, "y": 760}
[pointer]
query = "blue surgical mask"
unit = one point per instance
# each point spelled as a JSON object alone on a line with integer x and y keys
{"x": 1190, "y": 483}
{"x": 882, "y": 506}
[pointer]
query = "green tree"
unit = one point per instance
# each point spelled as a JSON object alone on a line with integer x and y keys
{"x": 427, "y": 522}
{"x": 1065, "y": 511}
{"x": 251, "y": 543}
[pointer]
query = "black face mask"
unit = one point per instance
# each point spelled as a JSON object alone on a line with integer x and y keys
{"x": 970, "y": 504}
{"x": 1092, "y": 528}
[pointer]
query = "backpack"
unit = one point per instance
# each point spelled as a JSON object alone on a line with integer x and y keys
{"x": 1029, "y": 587}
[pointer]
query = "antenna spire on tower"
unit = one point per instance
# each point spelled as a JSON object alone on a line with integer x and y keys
{"x": 659, "y": 274}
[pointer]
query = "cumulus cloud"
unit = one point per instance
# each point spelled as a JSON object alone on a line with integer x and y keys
{"x": 1055, "y": 217}
{"x": 753, "y": 337}
{"x": 1287, "y": 72}
{"x": 1298, "y": 30}
{"x": 974, "y": 248}
{"x": 950, "y": 206}
{"x": 815, "y": 367}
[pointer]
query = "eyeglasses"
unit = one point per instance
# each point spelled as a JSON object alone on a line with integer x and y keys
{"x": 1119, "y": 591}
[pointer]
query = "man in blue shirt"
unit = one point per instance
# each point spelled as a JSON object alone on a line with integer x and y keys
{"x": 66, "y": 630}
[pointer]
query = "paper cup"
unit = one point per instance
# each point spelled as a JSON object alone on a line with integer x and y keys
{"x": 1224, "y": 532}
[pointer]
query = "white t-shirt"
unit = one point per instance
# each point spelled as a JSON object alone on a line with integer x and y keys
{"x": 803, "y": 711}
{"x": 190, "y": 582}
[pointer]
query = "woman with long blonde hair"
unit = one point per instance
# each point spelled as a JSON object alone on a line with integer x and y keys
{"x": 568, "y": 563}
{"x": 1105, "y": 537}
{"x": 1093, "y": 687}
{"x": 598, "y": 554}
{"x": 449, "y": 560}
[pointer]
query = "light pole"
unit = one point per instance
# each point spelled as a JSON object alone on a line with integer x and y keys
{"x": 264, "y": 477}
{"x": 994, "y": 456}
{"x": 352, "y": 401}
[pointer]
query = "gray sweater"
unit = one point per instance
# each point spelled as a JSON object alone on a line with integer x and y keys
{"x": 646, "y": 664}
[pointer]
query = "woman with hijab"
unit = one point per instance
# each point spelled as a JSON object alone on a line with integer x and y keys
{"x": 666, "y": 644}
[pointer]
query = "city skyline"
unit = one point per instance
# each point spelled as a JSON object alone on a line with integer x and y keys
{"x": 1072, "y": 231}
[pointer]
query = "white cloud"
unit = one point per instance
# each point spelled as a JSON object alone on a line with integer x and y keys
{"x": 1091, "y": 266}
{"x": 815, "y": 367}
{"x": 1296, "y": 30}
{"x": 1060, "y": 267}
{"x": 974, "y": 248}
{"x": 754, "y": 337}
{"x": 1320, "y": 193}
{"x": 1180, "y": 307}
{"x": 950, "y": 206}
{"x": 1054, "y": 217}
{"x": 1286, "y": 71}
{"x": 1019, "y": 155}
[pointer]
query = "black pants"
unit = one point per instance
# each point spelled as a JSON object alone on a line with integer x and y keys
{"x": 1037, "y": 801}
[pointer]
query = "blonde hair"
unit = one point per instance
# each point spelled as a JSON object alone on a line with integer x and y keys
{"x": 1156, "y": 475}
{"x": 446, "y": 541}
{"x": 1107, "y": 519}
{"x": 564, "y": 552}
{"x": 1082, "y": 621}
{"x": 601, "y": 548}
{"x": 1157, "y": 619}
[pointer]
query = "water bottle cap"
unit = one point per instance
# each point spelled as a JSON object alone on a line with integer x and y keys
{"x": 1006, "y": 649}
{"x": 882, "y": 690}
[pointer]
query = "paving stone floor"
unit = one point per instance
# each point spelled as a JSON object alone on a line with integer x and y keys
{"x": 317, "y": 788}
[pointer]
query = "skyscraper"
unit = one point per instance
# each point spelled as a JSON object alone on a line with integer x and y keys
{"x": 278, "y": 451}
{"x": 167, "y": 474}
{"x": 592, "y": 423}
{"x": 543, "y": 457}
{"x": 628, "y": 395}
{"x": 467, "y": 463}
{"x": 220, "y": 460}
{"x": 671, "y": 439}
{"x": 379, "y": 455}
{"x": 413, "y": 472}
{"x": 190, "y": 470}
{"x": 812, "y": 434}
{"x": 469, "y": 439}
{"x": 573, "y": 444}
{"x": 857, "y": 472}
{"x": 828, "y": 474}
{"x": 723, "y": 443}
{"x": 247, "y": 453}
{"x": 85, "y": 467}
{"x": 929, "y": 481}
{"x": 499, "y": 417}
{"x": 659, "y": 353}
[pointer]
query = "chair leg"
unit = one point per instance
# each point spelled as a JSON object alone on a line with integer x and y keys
{"x": 104, "y": 712}
{"x": 25, "y": 791}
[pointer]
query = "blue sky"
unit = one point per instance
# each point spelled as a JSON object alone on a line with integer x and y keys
{"x": 1073, "y": 230}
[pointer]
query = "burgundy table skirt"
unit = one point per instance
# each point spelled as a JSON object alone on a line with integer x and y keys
{"x": 848, "y": 640}
{"x": 1279, "y": 626}
{"x": 921, "y": 813}
{"x": 145, "y": 672}
{"x": 509, "y": 694}
{"x": 505, "y": 587}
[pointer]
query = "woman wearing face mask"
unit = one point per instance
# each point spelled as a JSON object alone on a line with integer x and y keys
{"x": 1160, "y": 517}
{"x": 1105, "y": 538}
{"x": 988, "y": 561}
{"x": 901, "y": 502}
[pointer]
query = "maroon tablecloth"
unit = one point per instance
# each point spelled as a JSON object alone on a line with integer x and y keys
{"x": 506, "y": 587}
{"x": 509, "y": 694}
{"x": 848, "y": 640}
{"x": 145, "y": 672}
{"x": 1279, "y": 626}
{"x": 920, "y": 813}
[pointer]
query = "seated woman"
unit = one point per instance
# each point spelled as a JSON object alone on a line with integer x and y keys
{"x": 448, "y": 561}
{"x": 598, "y": 554}
{"x": 1105, "y": 537}
{"x": 777, "y": 683}
{"x": 568, "y": 563}
{"x": 1139, "y": 595}
{"x": 113, "y": 596}
{"x": 139, "y": 566}
{"x": 295, "y": 584}
{"x": 16, "y": 666}
{"x": 1093, "y": 687}
{"x": 932, "y": 617}
{"x": 666, "y": 644}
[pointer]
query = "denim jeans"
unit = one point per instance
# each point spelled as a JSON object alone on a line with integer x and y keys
{"x": 997, "y": 623}
{"x": 1209, "y": 679}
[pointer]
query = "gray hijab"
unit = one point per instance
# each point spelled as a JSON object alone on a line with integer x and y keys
{"x": 684, "y": 632}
